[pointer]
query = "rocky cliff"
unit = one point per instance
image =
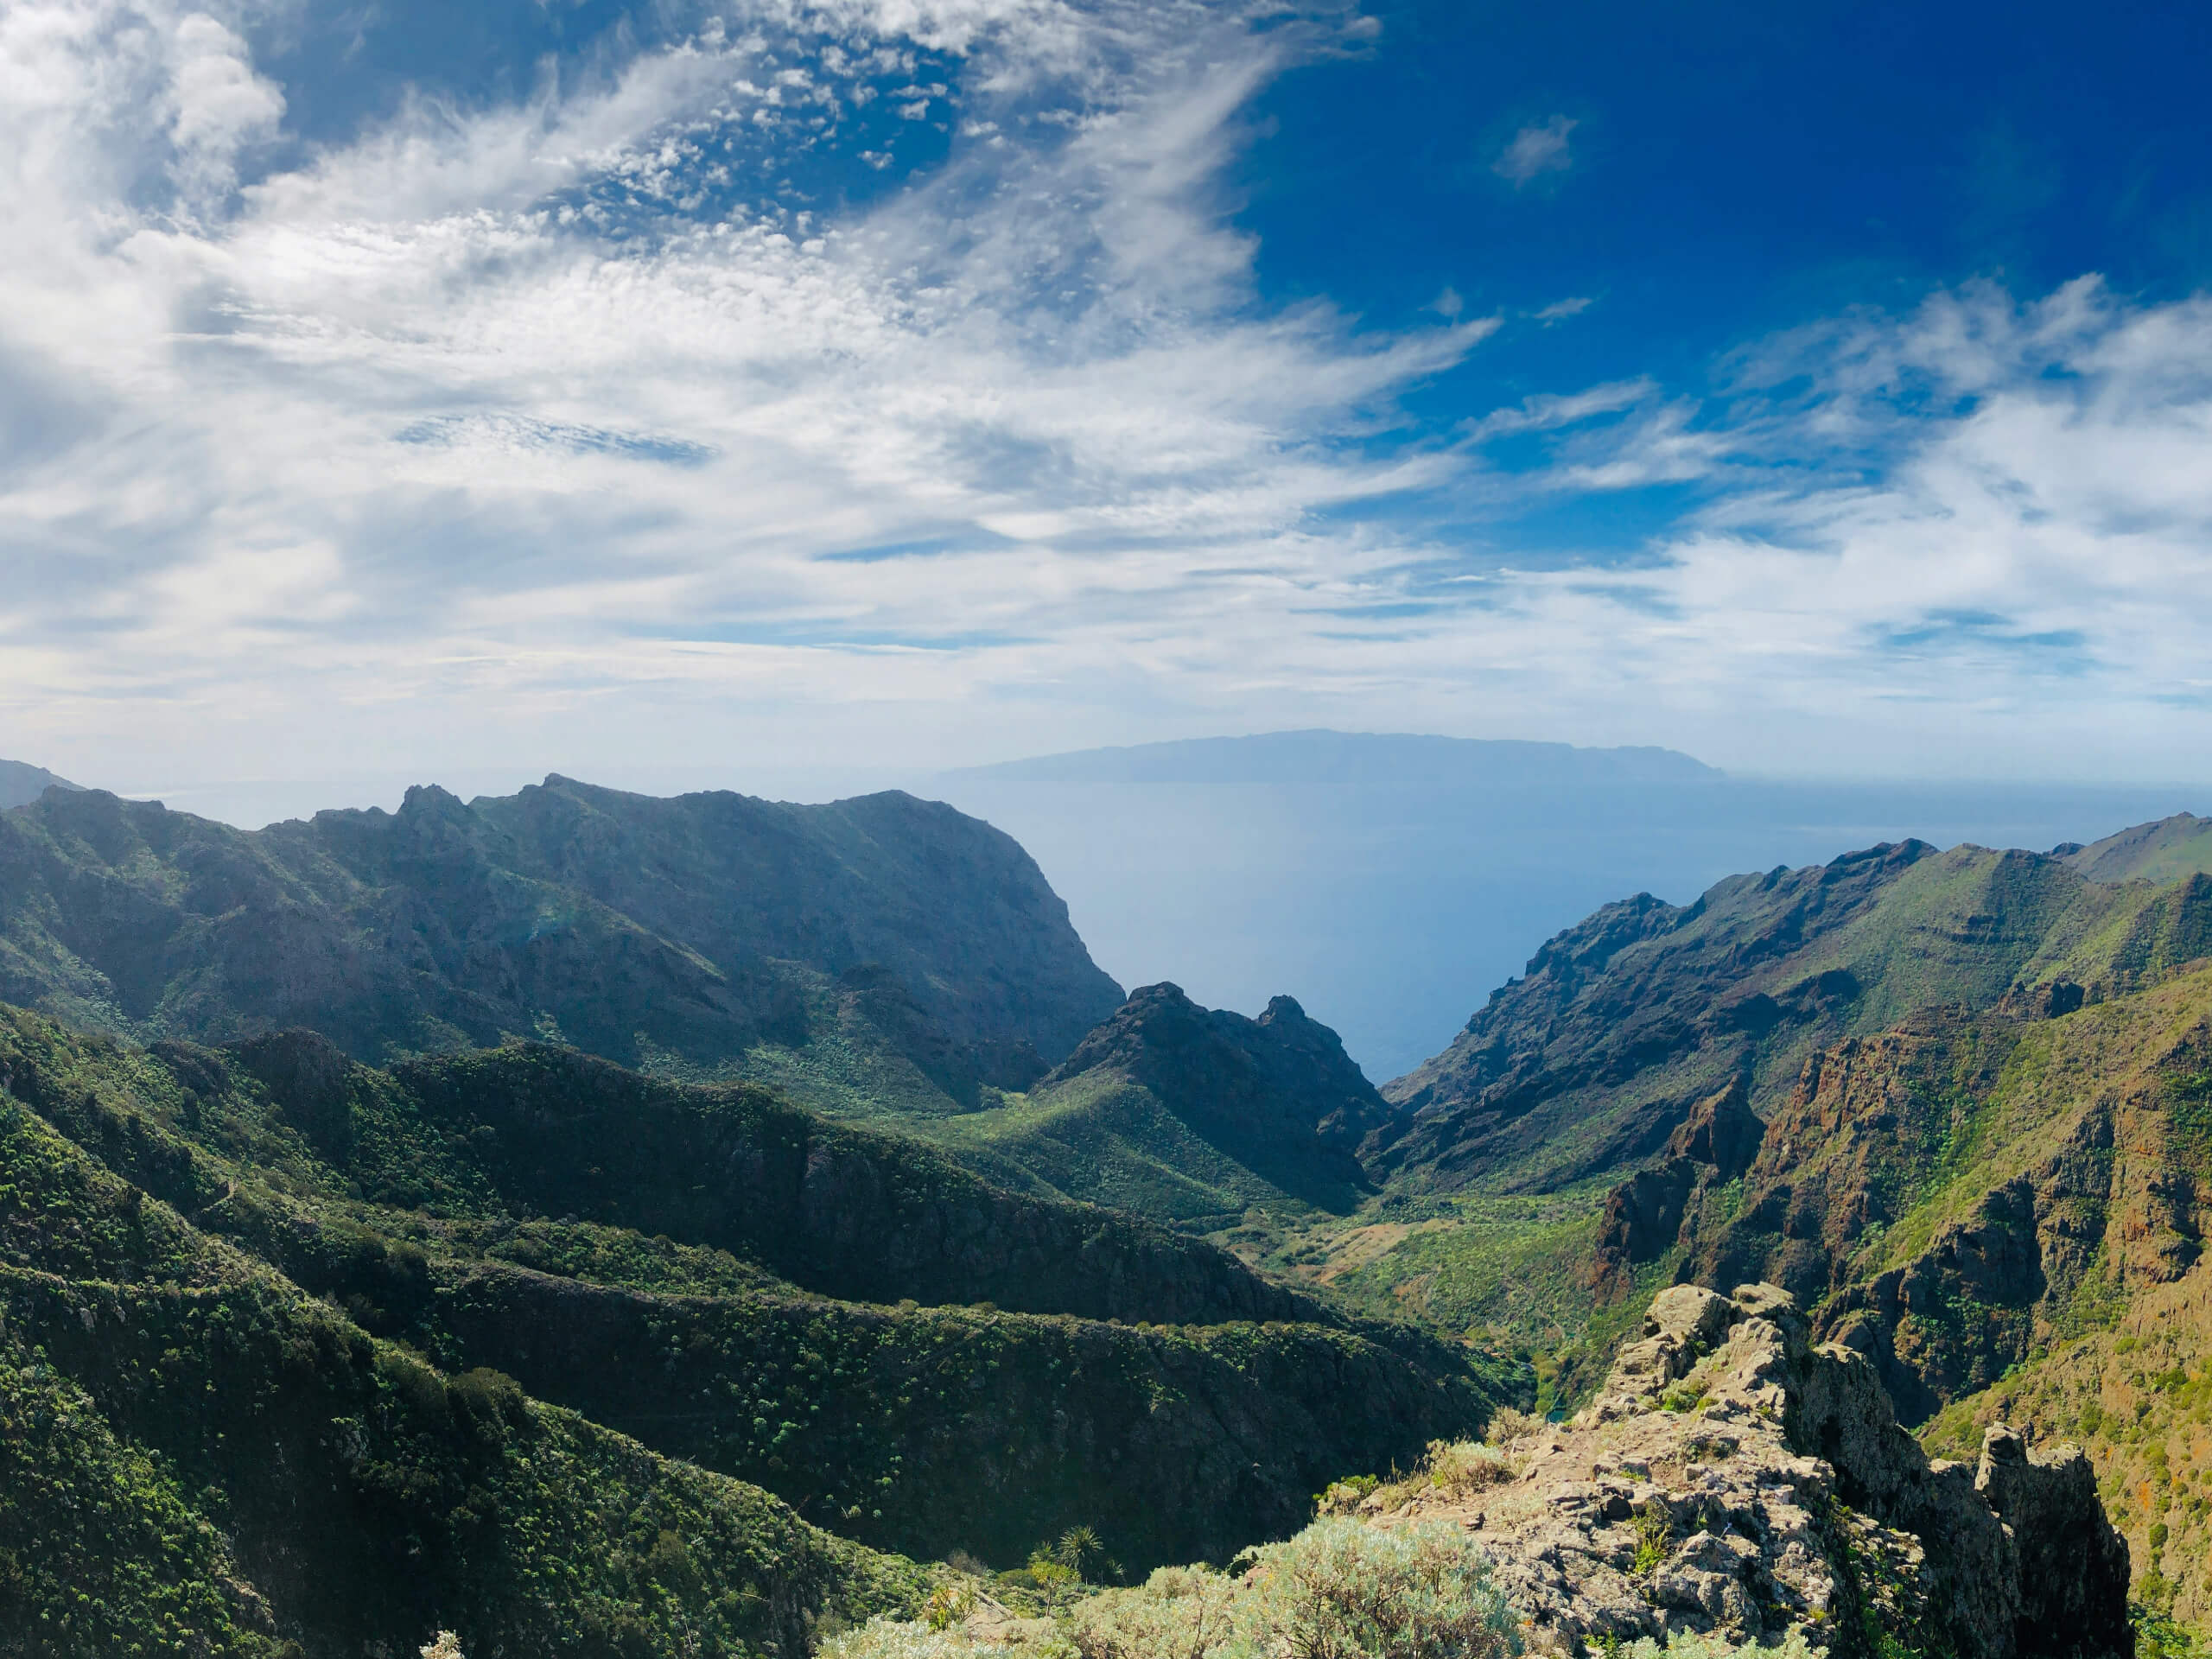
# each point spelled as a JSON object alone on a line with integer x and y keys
{"x": 1733, "y": 1479}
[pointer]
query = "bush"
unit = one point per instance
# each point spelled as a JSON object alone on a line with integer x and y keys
{"x": 1452, "y": 1468}
{"x": 1508, "y": 1425}
{"x": 1339, "y": 1590}
{"x": 893, "y": 1638}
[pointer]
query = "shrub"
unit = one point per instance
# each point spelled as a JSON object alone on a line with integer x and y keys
{"x": 1654, "y": 1530}
{"x": 949, "y": 1603}
{"x": 446, "y": 1645}
{"x": 1454, "y": 1468}
{"x": 1466, "y": 1467}
{"x": 1339, "y": 1590}
{"x": 1507, "y": 1425}
{"x": 893, "y": 1638}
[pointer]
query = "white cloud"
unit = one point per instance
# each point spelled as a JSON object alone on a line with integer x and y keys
{"x": 486, "y": 435}
{"x": 1536, "y": 150}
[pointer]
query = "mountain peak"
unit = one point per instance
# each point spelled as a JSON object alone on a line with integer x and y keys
{"x": 1277, "y": 1094}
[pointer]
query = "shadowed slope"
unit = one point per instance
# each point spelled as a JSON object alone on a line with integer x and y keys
{"x": 1188, "y": 1114}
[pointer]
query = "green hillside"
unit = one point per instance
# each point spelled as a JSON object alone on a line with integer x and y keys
{"x": 567, "y": 1270}
{"x": 2004, "y": 1211}
{"x": 202, "y": 1458}
{"x": 2165, "y": 851}
{"x": 1189, "y": 1115}
{"x": 1582, "y": 1067}
{"x": 1495, "y": 1188}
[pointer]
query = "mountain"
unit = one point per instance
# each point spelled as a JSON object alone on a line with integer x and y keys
{"x": 688, "y": 930}
{"x": 1950, "y": 1101}
{"x": 2164, "y": 851}
{"x": 201, "y": 1457}
{"x": 1326, "y": 757}
{"x": 531, "y": 1256}
{"x": 1585, "y": 1064}
{"x": 21, "y": 784}
{"x": 1187, "y": 1115}
{"x": 2004, "y": 1212}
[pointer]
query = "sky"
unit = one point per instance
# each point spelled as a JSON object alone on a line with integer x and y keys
{"x": 690, "y": 391}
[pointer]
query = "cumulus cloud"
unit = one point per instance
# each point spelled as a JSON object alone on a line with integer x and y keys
{"x": 1536, "y": 150}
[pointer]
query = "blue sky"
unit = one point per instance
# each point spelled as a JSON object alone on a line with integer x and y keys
{"x": 657, "y": 392}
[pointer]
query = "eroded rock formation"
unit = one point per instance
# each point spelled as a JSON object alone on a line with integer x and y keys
{"x": 1733, "y": 1479}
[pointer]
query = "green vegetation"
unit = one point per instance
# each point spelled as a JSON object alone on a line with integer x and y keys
{"x": 1646, "y": 1003}
{"x": 202, "y": 1458}
{"x": 1337, "y": 1590}
{"x": 296, "y": 1327}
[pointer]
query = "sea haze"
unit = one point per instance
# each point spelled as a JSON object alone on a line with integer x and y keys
{"x": 1391, "y": 883}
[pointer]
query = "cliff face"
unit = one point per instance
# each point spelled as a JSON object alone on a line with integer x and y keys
{"x": 1733, "y": 1479}
{"x": 628, "y": 924}
{"x": 1647, "y": 1214}
{"x": 2003, "y": 1212}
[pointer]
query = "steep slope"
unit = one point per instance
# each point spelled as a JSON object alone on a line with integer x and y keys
{"x": 21, "y": 783}
{"x": 1585, "y": 1066}
{"x": 1189, "y": 1114}
{"x": 2004, "y": 1212}
{"x": 200, "y": 1458}
{"x": 1735, "y": 1481}
{"x": 692, "y": 930}
{"x": 682, "y": 1264}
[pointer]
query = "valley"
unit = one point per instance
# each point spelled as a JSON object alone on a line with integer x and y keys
{"x": 783, "y": 1192}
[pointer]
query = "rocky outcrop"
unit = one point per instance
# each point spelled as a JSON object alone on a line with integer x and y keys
{"x": 1733, "y": 1479}
{"x": 1650, "y": 1212}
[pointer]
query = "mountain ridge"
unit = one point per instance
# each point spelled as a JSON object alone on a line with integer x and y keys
{"x": 450, "y": 923}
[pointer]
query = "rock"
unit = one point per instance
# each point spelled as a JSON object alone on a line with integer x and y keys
{"x": 1734, "y": 1480}
{"x": 1654, "y": 1209}
{"x": 2048, "y": 1501}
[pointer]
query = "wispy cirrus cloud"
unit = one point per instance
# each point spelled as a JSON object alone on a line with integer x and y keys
{"x": 558, "y": 424}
